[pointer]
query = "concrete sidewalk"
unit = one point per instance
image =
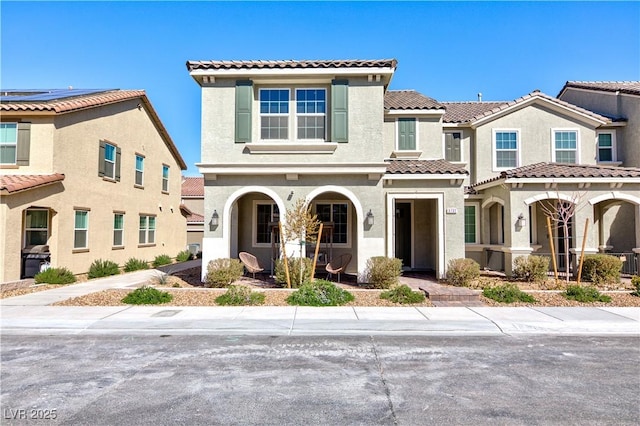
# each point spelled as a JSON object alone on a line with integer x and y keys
{"x": 31, "y": 314}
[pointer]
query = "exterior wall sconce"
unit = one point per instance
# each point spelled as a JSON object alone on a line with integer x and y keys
{"x": 522, "y": 222}
{"x": 370, "y": 218}
{"x": 215, "y": 219}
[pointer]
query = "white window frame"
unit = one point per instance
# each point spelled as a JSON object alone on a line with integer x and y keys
{"x": 254, "y": 222}
{"x": 444, "y": 145}
{"x": 476, "y": 206}
{"x": 147, "y": 241}
{"x": 553, "y": 143}
{"x": 106, "y": 160}
{"x": 296, "y": 114}
{"x": 141, "y": 171}
{"x": 75, "y": 229}
{"x": 165, "y": 180}
{"x": 349, "y": 218}
{"x": 26, "y": 230}
{"x": 118, "y": 230}
{"x": 14, "y": 144}
{"x": 397, "y": 125}
{"x": 494, "y": 149}
{"x": 269, "y": 114}
{"x": 614, "y": 149}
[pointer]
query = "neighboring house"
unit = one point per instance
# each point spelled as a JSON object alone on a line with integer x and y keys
{"x": 193, "y": 200}
{"x": 396, "y": 173}
{"x": 86, "y": 175}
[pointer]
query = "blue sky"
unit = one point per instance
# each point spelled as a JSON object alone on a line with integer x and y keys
{"x": 449, "y": 51}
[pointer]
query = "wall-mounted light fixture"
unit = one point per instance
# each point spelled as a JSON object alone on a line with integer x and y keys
{"x": 522, "y": 222}
{"x": 290, "y": 196}
{"x": 215, "y": 219}
{"x": 370, "y": 218}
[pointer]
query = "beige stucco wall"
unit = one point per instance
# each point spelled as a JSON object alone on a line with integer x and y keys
{"x": 429, "y": 144}
{"x": 75, "y": 147}
{"x": 535, "y": 124}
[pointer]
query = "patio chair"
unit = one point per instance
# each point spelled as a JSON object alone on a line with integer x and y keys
{"x": 251, "y": 263}
{"x": 338, "y": 265}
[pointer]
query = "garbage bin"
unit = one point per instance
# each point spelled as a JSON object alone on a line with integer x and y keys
{"x": 32, "y": 258}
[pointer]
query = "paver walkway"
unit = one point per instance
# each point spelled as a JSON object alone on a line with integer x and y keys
{"x": 441, "y": 295}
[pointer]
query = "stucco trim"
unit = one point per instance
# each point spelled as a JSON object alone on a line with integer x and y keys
{"x": 614, "y": 195}
{"x": 549, "y": 196}
{"x": 291, "y": 148}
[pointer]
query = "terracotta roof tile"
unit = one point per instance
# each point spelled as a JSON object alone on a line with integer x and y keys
{"x": 463, "y": 112}
{"x": 628, "y": 87}
{"x": 16, "y": 183}
{"x": 195, "y": 218}
{"x": 216, "y": 65}
{"x": 561, "y": 170}
{"x": 424, "y": 167}
{"x": 409, "y": 100}
{"x": 193, "y": 187}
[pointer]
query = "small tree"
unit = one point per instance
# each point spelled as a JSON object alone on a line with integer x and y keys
{"x": 302, "y": 226}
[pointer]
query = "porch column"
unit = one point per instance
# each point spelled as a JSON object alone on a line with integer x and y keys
{"x": 583, "y": 212}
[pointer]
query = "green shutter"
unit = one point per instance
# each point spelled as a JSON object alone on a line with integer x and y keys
{"x": 101, "y": 166}
{"x": 339, "y": 111}
{"x": 406, "y": 134}
{"x": 24, "y": 144}
{"x": 118, "y": 156}
{"x": 452, "y": 147}
{"x": 244, "y": 103}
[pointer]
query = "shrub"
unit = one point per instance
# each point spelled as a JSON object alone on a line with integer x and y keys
{"x": 319, "y": 293}
{"x": 239, "y": 295}
{"x": 530, "y": 268}
{"x": 294, "y": 271}
{"x": 223, "y": 272}
{"x": 55, "y": 276}
{"x": 134, "y": 264}
{"x": 601, "y": 269}
{"x": 507, "y": 293}
{"x": 635, "y": 281}
{"x": 183, "y": 256}
{"x": 461, "y": 272}
{"x": 402, "y": 294}
{"x": 585, "y": 294}
{"x": 161, "y": 259}
{"x": 383, "y": 272}
{"x": 147, "y": 296}
{"x": 103, "y": 268}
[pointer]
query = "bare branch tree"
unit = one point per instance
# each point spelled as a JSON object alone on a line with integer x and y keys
{"x": 301, "y": 225}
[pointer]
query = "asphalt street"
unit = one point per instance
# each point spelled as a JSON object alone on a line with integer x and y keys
{"x": 343, "y": 380}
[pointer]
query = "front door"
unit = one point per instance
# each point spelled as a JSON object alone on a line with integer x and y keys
{"x": 403, "y": 233}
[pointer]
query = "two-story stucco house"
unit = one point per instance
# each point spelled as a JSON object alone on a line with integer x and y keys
{"x": 327, "y": 132}
{"x": 85, "y": 175}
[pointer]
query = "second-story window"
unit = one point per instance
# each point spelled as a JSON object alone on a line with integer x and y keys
{"x": 8, "y": 143}
{"x": 606, "y": 147}
{"x": 109, "y": 161}
{"x": 311, "y": 113}
{"x": 505, "y": 149}
{"x": 565, "y": 146}
{"x": 274, "y": 114}
{"x": 139, "y": 170}
{"x": 165, "y": 178}
{"x": 407, "y": 134}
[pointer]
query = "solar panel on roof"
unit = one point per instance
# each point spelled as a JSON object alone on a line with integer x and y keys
{"x": 30, "y": 95}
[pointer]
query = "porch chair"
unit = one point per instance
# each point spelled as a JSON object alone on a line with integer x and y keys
{"x": 338, "y": 265}
{"x": 251, "y": 263}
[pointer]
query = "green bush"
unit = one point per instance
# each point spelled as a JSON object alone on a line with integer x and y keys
{"x": 183, "y": 256}
{"x": 601, "y": 269}
{"x": 383, "y": 272}
{"x": 147, "y": 296}
{"x": 530, "y": 268}
{"x": 461, "y": 272}
{"x": 134, "y": 264}
{"x": 238, "y": 295}
{"x": 55, "y": 276}
{"x": 585, "y": 294}
{"x": 223, "y": 272}
{"x": 161, "y": 259}
{"x": 294, "y": 271}
{"x": 103, "y": 268}
{"x": 635, "y": 281}
{"x": 402, "y": 294}
{"x": 319, "y": 293}
{"x": 507, "y": 293}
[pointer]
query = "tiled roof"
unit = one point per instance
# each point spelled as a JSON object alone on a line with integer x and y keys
{"x": 473, "y": 111}
{"x": 216, "y": 65}
{"x": 195, "y": 218}
{"x": 17, "y": 183}
{"x": 409, "y": 100}
{"x": 629, "y": 87}
{"x": 424, "y": 167}
{"x": 193, "y": 187}
{"x": 561, "y": 170}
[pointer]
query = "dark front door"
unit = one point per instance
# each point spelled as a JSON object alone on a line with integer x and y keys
{"x": 403, "y": 233}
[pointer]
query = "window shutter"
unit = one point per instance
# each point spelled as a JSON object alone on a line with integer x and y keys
{"x": 455, "y": 149}
{"x": 24, "y": 144}
{"x": 101, "y": 166}
{"x": 118, "y": 155}
{"x": 244, "y": 101}
{"x": 452, "y": 147}
{"x": 406, "y": 134}
{"x": 448, "y": 141}
{"x": 339, "y": 111}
